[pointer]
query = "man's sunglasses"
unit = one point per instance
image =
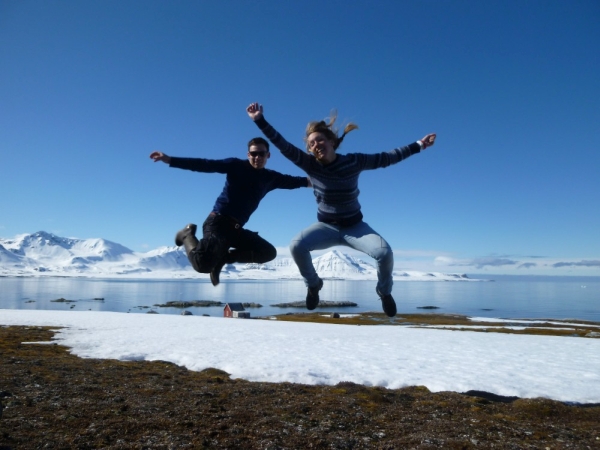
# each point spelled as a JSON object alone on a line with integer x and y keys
{"x": 261, "y": 154}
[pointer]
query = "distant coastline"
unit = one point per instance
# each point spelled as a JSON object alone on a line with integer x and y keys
{"x": 44, "y": 254}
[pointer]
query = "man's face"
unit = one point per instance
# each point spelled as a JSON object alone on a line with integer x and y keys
{"x": 258, "y": 155}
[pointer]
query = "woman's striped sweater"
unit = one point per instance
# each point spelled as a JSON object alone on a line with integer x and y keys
{"x": 335, "y": 185}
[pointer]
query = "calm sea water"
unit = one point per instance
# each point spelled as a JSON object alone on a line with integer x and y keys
{"x": 505, "y": 297}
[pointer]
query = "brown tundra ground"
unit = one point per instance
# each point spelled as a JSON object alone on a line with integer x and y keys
{"x": 54, "y": 400}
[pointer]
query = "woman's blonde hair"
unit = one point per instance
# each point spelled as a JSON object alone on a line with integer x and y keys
{"x": 329, "y": 129}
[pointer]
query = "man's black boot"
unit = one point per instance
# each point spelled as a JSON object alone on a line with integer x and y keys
{"x": 216, "y": 271}
{"x": 187, "y": 237}
{"x": 189, "y": 229}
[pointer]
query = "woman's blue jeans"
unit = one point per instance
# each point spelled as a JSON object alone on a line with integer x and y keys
{"x": 361, "y": 236}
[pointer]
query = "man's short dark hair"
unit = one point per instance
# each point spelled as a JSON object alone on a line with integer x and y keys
{"x": 258, "y": 141}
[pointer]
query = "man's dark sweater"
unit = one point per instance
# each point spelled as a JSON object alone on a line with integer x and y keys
{"x": 244, "y": 187}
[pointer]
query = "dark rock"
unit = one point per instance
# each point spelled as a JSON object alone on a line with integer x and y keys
{"x": 491, "y": 397}
{"x": 322, "y": 304}
{"x": 188, "y": 304}
{"x": 62, "y": 300}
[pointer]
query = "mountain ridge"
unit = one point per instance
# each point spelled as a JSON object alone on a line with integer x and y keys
{"x": 46, "y": 254}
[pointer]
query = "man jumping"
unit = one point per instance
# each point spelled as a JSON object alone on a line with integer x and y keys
{"x": 224, "y": 240}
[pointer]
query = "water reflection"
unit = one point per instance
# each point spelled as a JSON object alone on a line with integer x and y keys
{"x": 503, "y": 298}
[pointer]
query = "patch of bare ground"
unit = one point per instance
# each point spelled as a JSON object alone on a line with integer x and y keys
{"x": 54, "y": 400}
{"x": 546, "y": 327}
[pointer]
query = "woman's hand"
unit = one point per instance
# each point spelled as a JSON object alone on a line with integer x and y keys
{"x": 428, "y": 140}
{"x": 255, "y": 111}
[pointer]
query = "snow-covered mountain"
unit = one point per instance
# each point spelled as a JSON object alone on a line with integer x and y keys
{"x": 336, "y": 263}
{"x": 45, "y": 254}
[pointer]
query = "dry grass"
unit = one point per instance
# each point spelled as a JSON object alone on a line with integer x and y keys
{"x": 52, "y": 399}
{"x": 547, "y": 327}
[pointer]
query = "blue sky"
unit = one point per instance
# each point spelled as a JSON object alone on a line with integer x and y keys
{"x": 89, "y": 89}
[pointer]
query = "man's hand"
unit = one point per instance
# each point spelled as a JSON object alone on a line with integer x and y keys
{"x": 255, "y": 111}
{"x": 428, "y": 140}
{"x": 160, "y": 156}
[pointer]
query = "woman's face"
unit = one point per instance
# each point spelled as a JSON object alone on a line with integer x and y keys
{"x": 321, "y": 147}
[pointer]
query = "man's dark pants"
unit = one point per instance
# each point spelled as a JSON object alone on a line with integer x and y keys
{"x": 222, "y": 233}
